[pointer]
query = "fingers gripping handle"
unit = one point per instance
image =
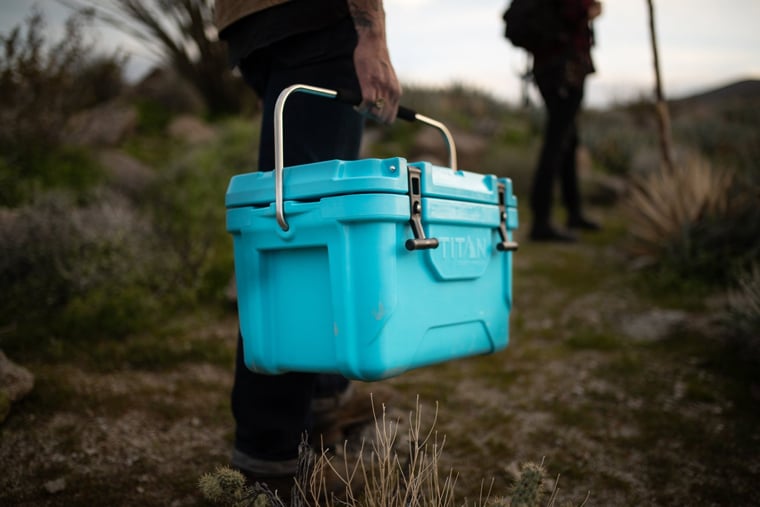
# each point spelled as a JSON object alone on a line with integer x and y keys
{"x": 354, "y": 99}
{"x": 410, "y": 115}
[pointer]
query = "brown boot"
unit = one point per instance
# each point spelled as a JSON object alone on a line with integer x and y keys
{"x": 337, "y": 417}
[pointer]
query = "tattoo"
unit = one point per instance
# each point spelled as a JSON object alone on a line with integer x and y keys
{"x": 362, "y": 12}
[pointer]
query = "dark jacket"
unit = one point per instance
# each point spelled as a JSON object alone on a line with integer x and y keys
{"x": 573, "y": 51}
{"x": 248, "y": 25}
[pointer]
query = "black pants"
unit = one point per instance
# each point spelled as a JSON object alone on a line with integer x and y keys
{"x": 557, "y": 158}
{"x": 272, "y": 412}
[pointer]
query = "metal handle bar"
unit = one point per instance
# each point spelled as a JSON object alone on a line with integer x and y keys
{"x": 349, "y": 98}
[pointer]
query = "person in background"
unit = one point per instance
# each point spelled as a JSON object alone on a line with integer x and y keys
{"x": 560, "y": 72}
{"x": 336, "y": 44}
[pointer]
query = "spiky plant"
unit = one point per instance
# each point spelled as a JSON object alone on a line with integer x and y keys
{"x": 664, "y": 204}
{"x": 228, "y": 487}
{"x": 698, "y": 225}
{"x": 528, "y": 489}
{"x": 742, "y": 318}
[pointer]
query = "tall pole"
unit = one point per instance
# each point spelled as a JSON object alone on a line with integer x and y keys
{"x": 663, "y": 115}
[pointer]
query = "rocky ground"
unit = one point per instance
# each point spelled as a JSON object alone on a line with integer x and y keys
{"x": 625, "y": 401}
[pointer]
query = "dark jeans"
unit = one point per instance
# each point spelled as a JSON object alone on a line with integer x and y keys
{"x": 557, "y": 158}
{"x": 272, "y": 412}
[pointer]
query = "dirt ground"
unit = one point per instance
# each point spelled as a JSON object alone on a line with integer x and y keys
{"x": 624, "y": 401}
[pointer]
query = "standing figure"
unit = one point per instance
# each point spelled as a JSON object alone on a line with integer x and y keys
{"x": 560, "y": 71}
{"x": 336, "y": 44}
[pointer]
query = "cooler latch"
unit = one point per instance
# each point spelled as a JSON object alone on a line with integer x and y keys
{"x": 506, "y": 244}
{"x": 420, "y": 242}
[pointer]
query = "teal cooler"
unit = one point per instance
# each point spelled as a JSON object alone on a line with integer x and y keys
{"x": 383, "y": 266}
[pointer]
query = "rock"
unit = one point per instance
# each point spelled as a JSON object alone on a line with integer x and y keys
{"x": 15, "y": 383}
{"x": 603, "y": 189}
{"x": 5, "y": 405}
{"x": 191, "y": 129}
{"x": 230, "y": 292}
{"x": 163, "y": 86}
{"x": 470, "y": 148}
{"x": 654, "y": 325}
{"x": 106, "y": 125}
{"x": 429, "y": 141}
{"x": 55, "y": 486}
{"x": 126, "y": 173}
{"x": 371, "y": 137}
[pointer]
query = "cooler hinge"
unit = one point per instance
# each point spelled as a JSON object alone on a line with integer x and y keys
{"x": 506, "y": 244}
{"x": 420, "y": 242}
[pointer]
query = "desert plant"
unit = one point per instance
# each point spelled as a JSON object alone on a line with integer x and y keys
{"x": 226, "y": 486}
{"x": 182, "y": 35}
{"x": 73, "y": 271}
{"x": 741, "y": 318}
{"x": 42, "y": 83}
{"x": 694, "y": 223}
{"x": 393, "y": 471}
{"x": 390, "y": 476}
{"x": 614, "y": 139}
{"x": 727, "y": 131}
{"x": 528, "y": 489}
{"x": 664, "y": 203}
{"x": 185, "y": 205}
{"x": 103, "y": 265}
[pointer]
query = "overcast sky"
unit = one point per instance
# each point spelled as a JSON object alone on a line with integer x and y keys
{"x": 703, "y": 43}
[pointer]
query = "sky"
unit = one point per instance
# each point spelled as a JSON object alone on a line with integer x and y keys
{"x": 702, "y": 44}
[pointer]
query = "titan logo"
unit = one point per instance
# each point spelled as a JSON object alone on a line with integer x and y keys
{"x": 462, "y": 247}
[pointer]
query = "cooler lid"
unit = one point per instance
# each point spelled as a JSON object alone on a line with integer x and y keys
{"x": 310, "y": 182}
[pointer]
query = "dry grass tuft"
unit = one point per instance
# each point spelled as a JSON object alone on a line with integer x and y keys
{"x": 385, "y": 474}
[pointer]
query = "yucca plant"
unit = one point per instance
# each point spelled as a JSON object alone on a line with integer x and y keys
{"x": 694, "y": 223}
{"x": 663, "y": 204}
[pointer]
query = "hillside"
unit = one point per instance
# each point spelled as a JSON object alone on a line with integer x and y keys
{"x": 747, "y": 89}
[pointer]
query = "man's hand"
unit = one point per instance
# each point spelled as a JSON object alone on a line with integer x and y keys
{"x": 381, "y": 90}
{"x": 594, "y": 10}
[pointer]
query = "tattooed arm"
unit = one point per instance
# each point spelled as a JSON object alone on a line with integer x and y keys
{"x": 372, "y": 61}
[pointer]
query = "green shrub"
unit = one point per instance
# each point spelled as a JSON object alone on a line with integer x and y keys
{"x": 727, "y": 131}
{"x": 26, "y": 175}
{"x": 186, "y": 207}
{"x": 695, "y": 221}
{"x": 107, "y": 311}
{"x": 741, "y": 318}
{"x": 68, "y": 270}
{"x": 85, "y": 268}
{"x": 718, "y": 245}
{"x": 614, "y": 139}
{"x": 152, "y": 117}
{"x": 41, "y": 85}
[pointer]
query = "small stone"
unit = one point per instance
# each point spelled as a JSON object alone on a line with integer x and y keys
{"x": 15, "y": 383}
{"x": 55, "y": 486}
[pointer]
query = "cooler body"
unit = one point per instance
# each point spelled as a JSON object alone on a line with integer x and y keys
{"x": 340, "y": 292}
